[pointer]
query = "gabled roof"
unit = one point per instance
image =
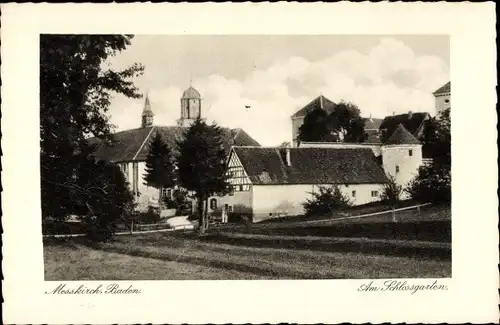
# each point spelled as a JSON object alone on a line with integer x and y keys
{"x": 267, "y": 166}
{"x": 411, "y": 123}
{"x": 319, "y": 102}
{"x": 446, "y": 88}
{"x": 402, "y": 136}
{"x": 133, "y": 145}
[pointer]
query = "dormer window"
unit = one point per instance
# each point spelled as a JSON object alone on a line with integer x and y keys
{"x": 410, "y": 152}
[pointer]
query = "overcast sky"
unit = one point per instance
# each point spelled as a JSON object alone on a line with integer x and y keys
{"x": 277, "y": 75}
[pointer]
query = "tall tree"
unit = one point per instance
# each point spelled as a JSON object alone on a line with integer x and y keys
{"x": 436, "y": 138}
{"x": 75, "y": 94}
{"x": 159, "y": 165}
{"x": 202, "y": 164}
{"x": 343, "y": 124}
{"x": 347, "y": 123}
{"x": 316, "y": 127}
{"x": 433, "y": 182}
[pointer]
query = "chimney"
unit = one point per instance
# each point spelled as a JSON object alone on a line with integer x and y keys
{"x": 288, "y": 159}
{"x": 410, "y": 114}
{"x": 393, "y": 113}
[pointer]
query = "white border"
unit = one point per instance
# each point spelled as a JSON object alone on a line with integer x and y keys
{"x": 473, "y": 295}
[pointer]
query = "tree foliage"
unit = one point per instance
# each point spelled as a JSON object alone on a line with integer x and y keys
{"x": 343, "y": 124}
{"x": 326, "y": 201}
{"x": 75, "y": 94}
{"x": 202, "y": 163}
{"x": 433, "y": 182}
{"x": 159, "y": 165}
{"x": 391, "y": 193}
{"x": 436, "y": 138}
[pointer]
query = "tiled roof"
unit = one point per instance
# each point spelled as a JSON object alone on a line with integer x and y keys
{"x": 267, "y": 166}
{"x": 446, "y": 88}
{"x": 319, "y": 102}
{"x": 411, "y": 123}
{"x": 191, "y": 93}
{"x": 133, "y": 144}
{"x": 402, "y": 136}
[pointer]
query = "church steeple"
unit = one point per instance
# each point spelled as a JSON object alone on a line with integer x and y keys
{"x": 190, "y": 106}
{"x": 147, "y": 113}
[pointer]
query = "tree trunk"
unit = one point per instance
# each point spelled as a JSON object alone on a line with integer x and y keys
{"x": 205, "y": 213}
{"x": 201, "y": 219}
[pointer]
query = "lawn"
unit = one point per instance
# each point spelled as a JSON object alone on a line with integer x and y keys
{"x": 162, "y": 256}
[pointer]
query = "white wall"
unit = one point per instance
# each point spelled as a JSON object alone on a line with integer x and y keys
{"x": 296, "y": 124}
{"x": 342, "y": 145}
{"x": 442, "y": 101}
{"x": 282, "y": 200}
{"x": 238, "y": 201}
{"x": 398, "y": 155}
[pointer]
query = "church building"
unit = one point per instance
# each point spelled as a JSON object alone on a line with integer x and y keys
{"x": 130, "y": 148}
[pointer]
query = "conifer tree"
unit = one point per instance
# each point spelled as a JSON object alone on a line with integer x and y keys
{"x": 159, "y": 165}
{"x": 202, "y": 164}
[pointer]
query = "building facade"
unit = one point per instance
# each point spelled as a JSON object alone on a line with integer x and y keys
{"x": 275, "y": 182}
{"x": 442, "y": 98}
{"x": 130, "y": 148}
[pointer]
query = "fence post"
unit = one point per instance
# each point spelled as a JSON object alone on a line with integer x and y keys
{"x": 394, "y": 214}
{"x": 132, "y": 226}
{"x": 418, "y": 209}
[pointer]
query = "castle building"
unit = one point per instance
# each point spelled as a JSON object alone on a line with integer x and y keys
{"x": 442, "y": 98}
{"x": 130, "y": 148}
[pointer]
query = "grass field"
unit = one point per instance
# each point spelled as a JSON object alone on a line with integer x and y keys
{"x": 181, "y": 257}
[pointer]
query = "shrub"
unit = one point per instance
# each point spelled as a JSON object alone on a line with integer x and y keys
{"x": 327, "y": 200}
{"x": 391, "y": 193}
{"x": 180, "y": 201}
{"x": 432, "y": 184}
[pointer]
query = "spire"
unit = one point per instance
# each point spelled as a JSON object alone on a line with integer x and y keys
{"x": 321, "y": 100}
{"x": 147, "y": 104}
{"x": 147, "y": 113}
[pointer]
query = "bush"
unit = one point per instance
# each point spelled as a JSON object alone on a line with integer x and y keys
{"x": 432, "y": 184}
{"x": 391, "y": 192}
{"x": 180, "y": 201}
{"x": 151, "y": 216}
{"x": 326, "y": 201}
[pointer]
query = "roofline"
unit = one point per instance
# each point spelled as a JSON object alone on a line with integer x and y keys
{"x": 144, "y": 142}
{"x": 319, "y": 183}
{"x": 241, "y": 164}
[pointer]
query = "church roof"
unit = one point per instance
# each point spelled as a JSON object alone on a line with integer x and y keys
{"x": 191, "y": 93}
{"x": 319, "y": 102}
{"x": 267, "y": 166}
{"x": 132, "y": 145}
{"x": 402, "y": 136}
{"x": 446, "y": 88}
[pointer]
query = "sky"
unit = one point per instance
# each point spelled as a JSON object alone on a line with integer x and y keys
{"x": 278, "y": 75}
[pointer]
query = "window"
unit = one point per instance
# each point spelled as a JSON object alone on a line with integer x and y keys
{"x": 397, "y": 169}
{"x": 353, "y": 193}
{"x": 230, "y": 208}
{"x": 410, "y": 152}
{"x": 231, "y": 190}
{"x": 240, "y": 188}
{"x": 446, "y": 101}
{"x": 374, "y": 193}
{"x": 213, "y": 204}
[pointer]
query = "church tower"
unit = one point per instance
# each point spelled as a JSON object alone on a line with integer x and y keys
{"x": 147, "y": 114}
{"x": 190, "y": 107}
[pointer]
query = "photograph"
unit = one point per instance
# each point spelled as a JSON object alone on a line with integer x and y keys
{"x": 245, "y": 157}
